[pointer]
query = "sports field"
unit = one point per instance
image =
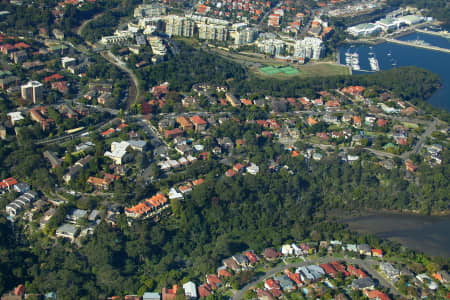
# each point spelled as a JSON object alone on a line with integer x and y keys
{"x": 269, "y": 70}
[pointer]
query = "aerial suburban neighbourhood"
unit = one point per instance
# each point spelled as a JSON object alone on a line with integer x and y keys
{"x": 224, "y": 149}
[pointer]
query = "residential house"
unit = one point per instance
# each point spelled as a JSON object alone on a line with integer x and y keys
{"x": 19, "y": 204}
{"x": 271, "y": 254}
{"x": 352, "y": 270}
{"x": 148, "y": 207}
{"x": 329, "y": 270}
{"x": 364, "y": 249}
{"x": 389, "y": 270}
{"x": 241, "y": 260}
{"x": 169, "y": 294}
{"x": 377, "y": 253}
{"x": 151, "y": 296}
{"x": 72, "y": 173}
{"x": 230, "y": 263}
{"x": 363, "y": 283}
{"x": 213, "y": 281}
{"x": 410, "y": 166}
{"x": 232, "y": 100}
{"x": 190, "y": 290}
{"x": 100, "y": 183}
{"x": 185, "y": 123}
{"x": 8, "y": 183}
{"x": 68, "y": 231}
{"x": 46, "y": 217}
{"x": 52, "y": 158}
{"x": 377, "y": 295}
{"x": 204, "y": 290}
{"x": 285, "y": 282}
{"x": 170, "y": 134}
{"x": 75, "y": 215}
{"x": 199, "y": 123}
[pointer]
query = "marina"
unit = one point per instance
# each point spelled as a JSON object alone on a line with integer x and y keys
{"x": 374, "y": 64}
{"x": 390, "y": 55}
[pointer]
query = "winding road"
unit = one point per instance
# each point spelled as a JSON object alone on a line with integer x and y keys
{"x": 134, "y": 90}
{"x": 366, "y": 265}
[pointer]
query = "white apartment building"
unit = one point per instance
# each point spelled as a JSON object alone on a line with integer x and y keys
{"x": 309, "y": 47}
{"x": 179, "y": 26}
{"x": 271, "y": 46}
{"x": 32, "y": 91}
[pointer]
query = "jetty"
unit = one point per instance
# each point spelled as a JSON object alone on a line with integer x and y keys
{"x": 412, "y": 44}
{"x": 443, "y": 34}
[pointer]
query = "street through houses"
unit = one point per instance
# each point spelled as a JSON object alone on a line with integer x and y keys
{"x": 366, "y": 264}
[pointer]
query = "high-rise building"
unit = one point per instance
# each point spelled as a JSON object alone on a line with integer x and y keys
{"x": 33, "y": 90}
{"x": 245, "y": 36}
{"x": 271, "y": 46}
{"x": 212, "y": 32}
{"x": 309, "y": 47}
{"x": 179, "y": 26}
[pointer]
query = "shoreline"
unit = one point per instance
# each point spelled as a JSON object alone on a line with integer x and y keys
{"x": 342, "y": 214}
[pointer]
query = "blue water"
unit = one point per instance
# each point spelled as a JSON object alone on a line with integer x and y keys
{"x": 401, "y": 55}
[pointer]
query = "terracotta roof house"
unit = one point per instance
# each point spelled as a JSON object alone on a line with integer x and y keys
{"x": 224, "y": 273}
{"x": 355, "y": 271}
{"x": 148, "y": 206}
{"x": 169, "y": 294}
{"x": 198, "y": 181}
{"x": 252, "y": 258}
{"x": 170, "y": 134}
{"x": 377, "y": 252}
{"x": 230, "y": 173}
{"x": 272, "y": 284}
{"x": 340, "y": 268}
{"x": 329, "y": 270}
{"x": 185, "y": 123}
{"x": 311, "y": 121}
{"x": 271, "y": 254}
{"x": 410, "y": 166}
{"x": 199, "y": 123}
{"x": 381, "y": 122}
{"x": 100, "y": 183}
{"x": 230, "y": 263}
{"x": 108, "y": 132}
{"x": 204, "y": 290}
{"x": 375, "y": 294}
{"x": 213, "y": 281}
{"x": 239, "y": 168}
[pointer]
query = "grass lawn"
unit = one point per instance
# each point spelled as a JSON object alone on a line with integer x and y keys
{"x": 410, "y": 125}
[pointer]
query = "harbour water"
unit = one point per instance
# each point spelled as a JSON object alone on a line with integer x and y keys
{"x": 391, "y": 55}
{"x": 423, "y": 233}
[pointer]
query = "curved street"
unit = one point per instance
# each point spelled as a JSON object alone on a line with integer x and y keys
{"x": 366, "y": 265}
{"x": 134, "y": 90}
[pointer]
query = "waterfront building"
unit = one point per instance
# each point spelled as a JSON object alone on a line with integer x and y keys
{"x": 309, "y": 47}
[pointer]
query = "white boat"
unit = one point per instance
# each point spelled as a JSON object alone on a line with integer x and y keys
{"x": 374, "y": 65}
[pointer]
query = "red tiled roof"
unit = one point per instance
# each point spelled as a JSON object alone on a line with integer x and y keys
{"x": 8, "y": 182}
{"x": 224, "y": 273}
{"x": 377, "y": 252}
{"x": 108, "y": 132}
{"x": 197, "y": 120}
{"x": 21, "y": 45}
{"x": 204, "y": 290}
{"x": 53, "y": 77}
{"x": 246, "y": 102}
{"x": 375, "y": 294}
{"x": 230, "y": 173}
{"x": 198, "y": 181}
